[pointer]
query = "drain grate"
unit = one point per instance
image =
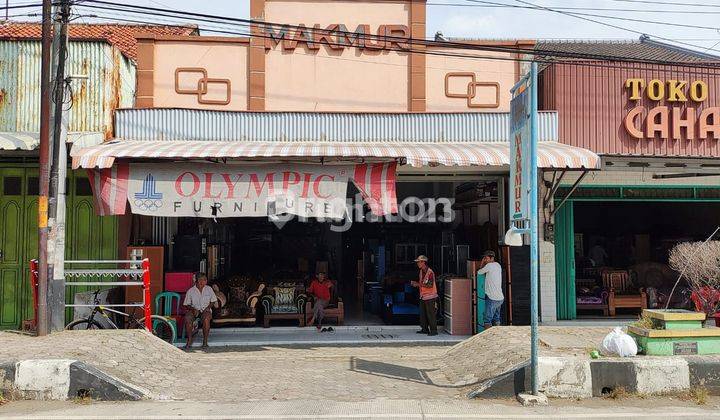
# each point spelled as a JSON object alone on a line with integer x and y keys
{"x": 378, "y": 336}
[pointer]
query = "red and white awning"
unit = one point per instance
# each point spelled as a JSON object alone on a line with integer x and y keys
{"x": 550, "y": 154}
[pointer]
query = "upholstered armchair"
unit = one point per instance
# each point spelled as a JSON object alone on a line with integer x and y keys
{"x": 284, "y": 301}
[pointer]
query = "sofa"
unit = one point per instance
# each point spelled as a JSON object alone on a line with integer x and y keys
{"x": 401, "y": 307}
{"x": 284, "y": 301}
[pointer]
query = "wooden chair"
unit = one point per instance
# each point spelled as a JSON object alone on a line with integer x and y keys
{"x": 618, "y": 284}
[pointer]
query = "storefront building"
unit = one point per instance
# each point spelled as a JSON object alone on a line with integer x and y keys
{"x": 657, "y": 129}
{"x": 377, "y": 151}
{"x": 105, "y": 55}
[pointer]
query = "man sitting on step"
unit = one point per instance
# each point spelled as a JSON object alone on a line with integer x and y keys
{"x": 199, "y": 301}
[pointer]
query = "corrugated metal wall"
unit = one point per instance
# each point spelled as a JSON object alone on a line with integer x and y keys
{"x": 592, "y": 102}
{"x": 186, "y": 124}
{"x": 110, "y": 85}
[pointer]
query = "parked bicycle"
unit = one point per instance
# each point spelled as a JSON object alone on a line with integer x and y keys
{"x": 161, "y": 327}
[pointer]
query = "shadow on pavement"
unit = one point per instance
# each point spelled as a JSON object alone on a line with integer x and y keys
{"x": 392, "y": 371}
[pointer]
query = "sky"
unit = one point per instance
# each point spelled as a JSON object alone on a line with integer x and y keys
{"x": 473, "y": 19}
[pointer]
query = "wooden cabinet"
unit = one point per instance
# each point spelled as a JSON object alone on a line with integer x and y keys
{"x": 458, "y": 306}
{"x": 156, "y": 255}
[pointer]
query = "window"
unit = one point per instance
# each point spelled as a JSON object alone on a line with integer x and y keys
{"x": 82, "y": 186}
{"x": 33, "y": 185}
{"x": 12, "y": 185}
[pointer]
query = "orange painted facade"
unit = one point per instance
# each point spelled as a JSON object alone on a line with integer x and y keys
{"x": 324, "y": 56}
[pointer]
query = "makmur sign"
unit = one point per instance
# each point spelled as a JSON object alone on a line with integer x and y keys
{"x": 678, "y": 110}
{"x": 337, "y": 37}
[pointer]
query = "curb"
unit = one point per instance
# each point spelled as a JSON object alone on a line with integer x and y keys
{"x": 63, "y": 379}
{"x": 568, "y": 377}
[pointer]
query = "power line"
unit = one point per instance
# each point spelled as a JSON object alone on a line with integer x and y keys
{"x": 668, "y": 3}
{"x": 610, "y": 25}
{"x": 594, "y": 64}
{"x": 410, "y": 41}
{"x": 627, "y": 19}
{"x": 587, "y": 9}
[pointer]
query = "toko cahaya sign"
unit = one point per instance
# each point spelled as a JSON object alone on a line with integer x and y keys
{"x": 208, "y": 190}
{"x": 671, "y": 109}
{"x": 520, "y": 149}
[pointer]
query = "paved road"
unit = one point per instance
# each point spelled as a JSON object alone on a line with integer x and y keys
{"x": 340, "y": 372}
{"x": 371, "y": 409}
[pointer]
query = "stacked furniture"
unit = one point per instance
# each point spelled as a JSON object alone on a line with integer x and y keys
{"x": 179, "y": 283}
{"x": 458, "y": 306}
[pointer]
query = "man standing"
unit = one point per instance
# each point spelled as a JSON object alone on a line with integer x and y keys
{"x": 428, "y": 297}
{"x": 320, "y": 289}
{"x": 198, "y": 303}
{"x": 493, "y": 288}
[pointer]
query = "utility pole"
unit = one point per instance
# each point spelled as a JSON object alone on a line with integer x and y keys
{"x": 56, "y": 207}
{"x": 45, "y": 152}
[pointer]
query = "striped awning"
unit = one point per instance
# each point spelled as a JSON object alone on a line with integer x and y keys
{"x": 550, "y": 154}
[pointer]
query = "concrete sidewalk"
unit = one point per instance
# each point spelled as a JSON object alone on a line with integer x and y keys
{"x": 342, "y": 335}
{"x": 369, "y": 409}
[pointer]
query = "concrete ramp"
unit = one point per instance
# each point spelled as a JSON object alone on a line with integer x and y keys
{"x": 487, "y": 355}
{"x": 63, "y": 379}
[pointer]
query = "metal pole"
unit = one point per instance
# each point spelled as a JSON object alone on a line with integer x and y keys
{"x": 534, "y": 225}
{"x": 146, "y": 294}
{"x": 44, "y": 178}
{"x": 56, "y": 243}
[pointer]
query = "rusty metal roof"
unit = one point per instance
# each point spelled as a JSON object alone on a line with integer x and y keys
{"x": 31, "y": 140}
{"x": 121, "y": 36}
{"x": 640, "y": 49}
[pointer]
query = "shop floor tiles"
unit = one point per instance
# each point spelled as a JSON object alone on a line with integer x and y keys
{"x": 346, "y": 335}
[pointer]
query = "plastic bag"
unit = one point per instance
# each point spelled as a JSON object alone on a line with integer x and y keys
{"x": 618, "y": 342}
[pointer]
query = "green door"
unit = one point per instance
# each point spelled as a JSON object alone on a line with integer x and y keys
{"x": 88, "y": 237}
{"x": 565, "y": 261}
{"x": 12, "y": 212}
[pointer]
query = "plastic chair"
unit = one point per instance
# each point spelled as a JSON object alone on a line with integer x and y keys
{"x": 166, "y": 310}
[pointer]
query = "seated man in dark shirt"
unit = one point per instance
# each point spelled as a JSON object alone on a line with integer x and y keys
{"x": 320, "y": 288}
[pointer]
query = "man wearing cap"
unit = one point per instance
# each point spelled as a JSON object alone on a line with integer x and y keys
{"x": 493, "y": 288}
{"x": 428, "y": 297}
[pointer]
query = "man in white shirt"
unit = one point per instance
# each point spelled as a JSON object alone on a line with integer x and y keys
{"x": 199, "y": 301}
{"x": 493, "y": 288}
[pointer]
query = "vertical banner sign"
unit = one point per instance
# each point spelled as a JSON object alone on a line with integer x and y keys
{"x": 520, "y": 153}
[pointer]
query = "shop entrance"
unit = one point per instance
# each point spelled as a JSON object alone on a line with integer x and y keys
{"x": 612, "y": 256}
{"x": 370, "y": 260}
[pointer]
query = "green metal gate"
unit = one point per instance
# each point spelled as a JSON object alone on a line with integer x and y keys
{"x": 88, "y": 236}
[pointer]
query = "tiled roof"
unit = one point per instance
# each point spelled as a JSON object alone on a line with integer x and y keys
{"x": 641, "y": 49}
{"x": 121, "y": 36}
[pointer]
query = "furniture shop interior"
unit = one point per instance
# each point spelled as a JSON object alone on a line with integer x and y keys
{"x": 261, "y": 268}
{"x": 621, "y": 253}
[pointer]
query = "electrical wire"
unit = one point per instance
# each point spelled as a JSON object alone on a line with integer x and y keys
{"x": 668, "y": 3}
{"x": 610, "y": 25}
{"x": 651, "y": 22}
{"x": 688, "y": 71}
{"x": 98, "y": 4}
{"x": 588, "y": 9}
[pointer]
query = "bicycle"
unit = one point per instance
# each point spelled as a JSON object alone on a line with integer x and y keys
{"x": 161, "y": 328}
